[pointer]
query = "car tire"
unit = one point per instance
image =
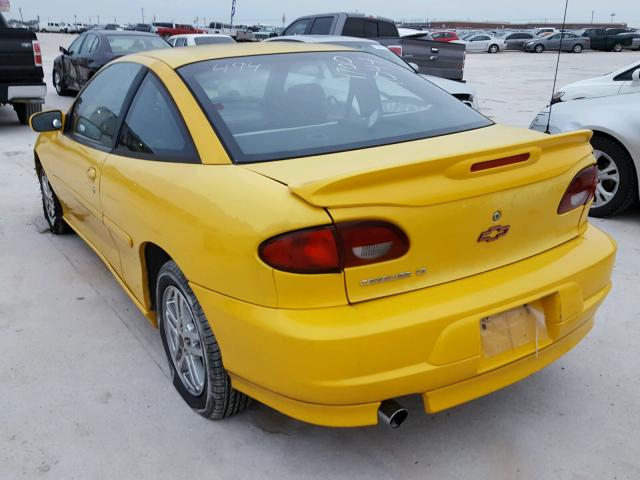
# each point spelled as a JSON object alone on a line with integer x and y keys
{"x": 617, "y": 48}
{"x": 617, "y": 181}
{"x": 577, "y": 48}
{"x": 538, "y": 48}
{"x": 25, "y": 110}
{"x": 493, "y": 48}
{"x": 205, "y": 385}
{"x": 51, "y": 205}
{"x": 59, "y": 85}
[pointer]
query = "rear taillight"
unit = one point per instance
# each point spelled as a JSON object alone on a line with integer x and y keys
{"x": 330, "y": 249}
{"x": 581, "y": 190}
{"x": 397, "y": 49}
{"x": 37, "y": 53}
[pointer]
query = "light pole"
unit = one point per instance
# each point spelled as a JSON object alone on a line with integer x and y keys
{"x": 593, "y": 12}
{"x": 142, "y": 14}
{"x": 20, "y": 10}
{"x": 612, "y": 15}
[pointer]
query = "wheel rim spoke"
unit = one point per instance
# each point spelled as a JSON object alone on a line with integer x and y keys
{"x": 608, "y": 178}
{"x": 183, "y": 340}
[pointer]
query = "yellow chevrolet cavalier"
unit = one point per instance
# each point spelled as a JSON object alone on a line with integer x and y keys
{"x": 325, "y": 231}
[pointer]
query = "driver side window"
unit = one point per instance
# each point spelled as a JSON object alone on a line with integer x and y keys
{"x": 94, "y": 118}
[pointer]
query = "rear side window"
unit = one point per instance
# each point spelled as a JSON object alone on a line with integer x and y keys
{"x": 281, "y": 106}
{"x": 370, "y": 29}
{"x": 95, "y": 113}
{"x": 88, "y": 43}
{"x": 354, "y": 27}
{"x": 387, "y": 29}
{"x": 154, "y": 129}
{"x": 298, "y": 28}
{"x": 322, "y": 26}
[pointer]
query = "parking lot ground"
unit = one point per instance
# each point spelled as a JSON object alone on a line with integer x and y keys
{"x": 84, "y": 389}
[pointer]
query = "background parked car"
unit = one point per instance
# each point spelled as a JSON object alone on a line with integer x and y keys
{"x": 624, "y": 80}
{"x": 196, "y": 39}
{"x": 482, "y": 43}
{"x": 21, "y": 75}
{"x": 444, "y": 36}
{"x": 145, "y": 27}
{"x": 441, "y": 59}
{"x": 169, "y": 29}
{"x": 54, "y": 27}
{"x": 568, "y": 42}
{"x": 92, "y": 50}
{"x": 635, "y": 40}
{"x": 607, "y": 39}
{"x": 615, "y": 122}
{"x": 516, "y": 40}
{"x": 461, "y": 91}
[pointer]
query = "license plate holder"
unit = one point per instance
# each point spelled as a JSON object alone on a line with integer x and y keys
{"x": 512, "y": 329}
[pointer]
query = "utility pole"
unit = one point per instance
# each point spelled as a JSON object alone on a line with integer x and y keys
{"x": 142, "y": 14}
{"x": 593, "y": 12}
{"x": 75, "y": 19}
{"x": 98, "y": 19}
{"x": 20, "y": 10}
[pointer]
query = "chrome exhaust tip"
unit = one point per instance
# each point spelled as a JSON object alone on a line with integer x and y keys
{"x": 392, "y": 413}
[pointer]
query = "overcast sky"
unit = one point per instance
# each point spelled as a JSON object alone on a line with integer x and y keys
{"x": 270, "y": 11}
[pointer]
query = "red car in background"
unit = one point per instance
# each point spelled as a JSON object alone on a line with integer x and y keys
{"x": 445, "y": 36}
{"x": 165, "y": 29}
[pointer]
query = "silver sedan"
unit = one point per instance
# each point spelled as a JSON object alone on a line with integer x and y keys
{"x": 567, "y": 42}
{"x": 615, "y": 122}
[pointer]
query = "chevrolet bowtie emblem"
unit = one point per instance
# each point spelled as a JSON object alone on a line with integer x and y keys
{"x": 494, "y": 233}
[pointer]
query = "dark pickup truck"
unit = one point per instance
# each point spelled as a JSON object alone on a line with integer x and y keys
{"x": 432, "y": 58}
{"x": 607, "y": 39}
{"x": 21, "y": 76}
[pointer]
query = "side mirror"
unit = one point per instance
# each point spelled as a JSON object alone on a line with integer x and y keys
{"x": 635, "y": 75}
{"x": 50, "y": 121}
{"x": 64, "y": 51}
{"x": 415, "y": 67}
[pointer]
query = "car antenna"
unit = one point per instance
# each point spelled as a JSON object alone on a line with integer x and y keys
{"x": 555, "y": 77}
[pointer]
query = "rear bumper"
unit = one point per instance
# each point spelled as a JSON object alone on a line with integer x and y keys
{"x": 333, "y": 366}
{"x": 10, "y": 93}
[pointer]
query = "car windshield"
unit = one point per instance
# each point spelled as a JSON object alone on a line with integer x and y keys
{"x": 212, "y": 40}
{"x": 274, "y": 107}
{"x": 126, "y": 44}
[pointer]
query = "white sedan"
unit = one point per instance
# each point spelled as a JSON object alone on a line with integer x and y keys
{"x": 482, "y": 42}
{"x": 625, "y": 80}
{"x": 615, "y": 121}
{"x": 195, "y": 39}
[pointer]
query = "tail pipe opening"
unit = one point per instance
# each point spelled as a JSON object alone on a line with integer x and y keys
{"x": 392, "y": 413}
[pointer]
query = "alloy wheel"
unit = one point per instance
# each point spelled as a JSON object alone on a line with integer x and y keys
{"x": 47, "y": 195}
{"x": 608, "y": 178}
{"x": 56, "y": 81}
{"x": 183, "y": 340}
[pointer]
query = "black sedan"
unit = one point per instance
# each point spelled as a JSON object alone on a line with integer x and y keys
{"x": 94, "y": 49}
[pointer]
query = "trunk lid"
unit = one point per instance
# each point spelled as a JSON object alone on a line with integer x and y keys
{"x": 459, "y": 222}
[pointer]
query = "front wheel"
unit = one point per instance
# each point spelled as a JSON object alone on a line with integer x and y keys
{"x": 59, "y": 85}
{"x": 617, "y": 182}
{"x": 617, "y": 47}
{"x": 539, "y": 49}
{"x": 51, "y": 205}
{"x": 577, "y": 48}
{"x": 494, "y": 48}
{"x": 192, "y": 349}
{"x": 25, "y": 110}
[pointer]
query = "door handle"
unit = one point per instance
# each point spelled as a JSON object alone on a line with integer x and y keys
{"x": 91, "y": 173}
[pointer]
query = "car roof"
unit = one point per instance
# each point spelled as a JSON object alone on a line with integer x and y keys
{"x": 320, "y": 39}
{"x": 178, "y": 57}
{"x": 198, "y": 35}
{"x": 123, "y": 32}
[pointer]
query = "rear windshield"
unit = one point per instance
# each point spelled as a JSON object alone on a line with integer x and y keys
{"x": 213, "y": 40}
{"x": 126, "y": 44}
{"x": 274, "y": 107}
